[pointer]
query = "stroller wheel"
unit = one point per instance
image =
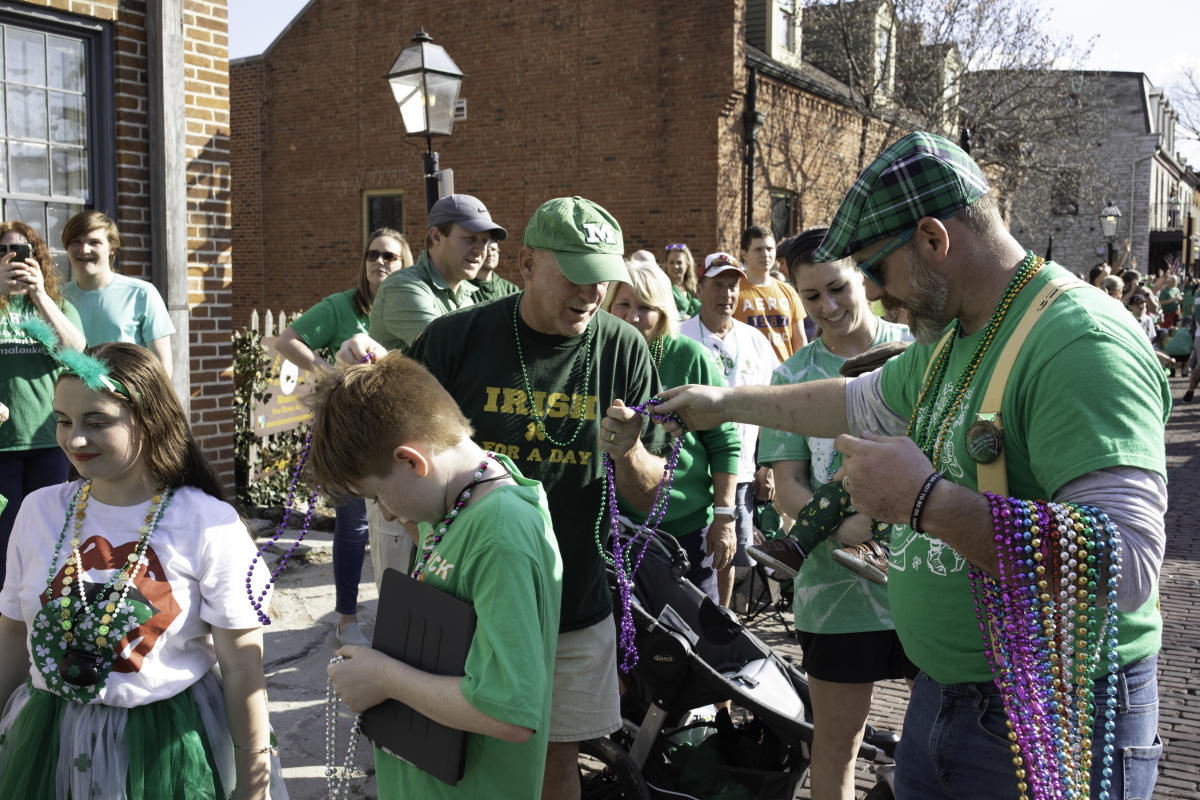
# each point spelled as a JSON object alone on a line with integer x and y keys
{"x": 606, "y": 772}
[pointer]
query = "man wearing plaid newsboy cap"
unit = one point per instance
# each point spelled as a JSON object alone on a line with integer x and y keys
{"x": 1076, "y": 414}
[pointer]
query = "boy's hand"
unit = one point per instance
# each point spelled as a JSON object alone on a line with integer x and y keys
{"x": 358, "y": 676}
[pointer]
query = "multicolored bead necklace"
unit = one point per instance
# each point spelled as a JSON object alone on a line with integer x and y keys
{"x": 656, "y": 350}
{"x": 464, "y": 496}
{"x": 1048, "y": 624}
{"x": 587, "y": 372}
{"x": 82, "y": 665}
{"x": 923, "y": 433}
{"x": 620, "y": 558}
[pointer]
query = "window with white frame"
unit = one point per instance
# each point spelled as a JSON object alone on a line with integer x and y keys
{"x": 56, "y": 146}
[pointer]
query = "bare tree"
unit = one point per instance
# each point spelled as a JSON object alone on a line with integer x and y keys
{"x": 985, "y": 71}
{"x": 1185, "y": 91}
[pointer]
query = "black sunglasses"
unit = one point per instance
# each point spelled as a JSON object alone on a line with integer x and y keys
{"x": 384, "y": 254}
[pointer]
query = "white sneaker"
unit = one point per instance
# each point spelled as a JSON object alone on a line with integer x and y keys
{"x": 350, "y": 633}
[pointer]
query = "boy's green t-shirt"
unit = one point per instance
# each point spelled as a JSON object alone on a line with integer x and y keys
{"x": 827, "y": 597}
{"x": 499, "y": 555}
{"x": 27, "y": 375}
{"x": 1085, "y": 393}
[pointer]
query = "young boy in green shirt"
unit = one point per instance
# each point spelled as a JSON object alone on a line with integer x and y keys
{"x": 390, "y": 432}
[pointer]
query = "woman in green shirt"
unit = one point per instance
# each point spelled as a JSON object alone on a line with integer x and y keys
{"x": 324, "y": 327}
{"x": 680, "y": 266}
{"x": 707, "y": 466}
{"x": 29, "y": 290}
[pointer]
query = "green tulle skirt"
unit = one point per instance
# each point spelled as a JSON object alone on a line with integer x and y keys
{"x": 52, "y": 748}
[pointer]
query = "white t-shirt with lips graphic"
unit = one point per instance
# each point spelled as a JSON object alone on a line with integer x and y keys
{"x": 193, "y": 579}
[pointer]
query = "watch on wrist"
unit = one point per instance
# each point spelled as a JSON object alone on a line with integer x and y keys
{"x": 728, "y": 511}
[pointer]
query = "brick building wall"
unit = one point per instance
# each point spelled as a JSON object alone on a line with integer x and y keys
{"x": 207, "y": 120}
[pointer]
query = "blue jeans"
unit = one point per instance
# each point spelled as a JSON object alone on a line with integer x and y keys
{"x": 955, "y": 744}
{"x": 349, "y": 546}
{"x": 744, "y": 523}
{"x": 21, "y": 473}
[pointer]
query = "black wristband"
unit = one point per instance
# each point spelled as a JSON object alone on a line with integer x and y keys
{"x": 922, "y": 496}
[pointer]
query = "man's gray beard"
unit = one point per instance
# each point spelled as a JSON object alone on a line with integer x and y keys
{"x": 928, "y": 293}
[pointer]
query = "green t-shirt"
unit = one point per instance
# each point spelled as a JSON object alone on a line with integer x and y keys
{"x": 27, "y": 376}
{"x": 474, "y": 354}
{"x": 126, "y": 310}
{"x": 686, "y": 302}
{"x": 1086, "y": 393}
{"x": 1180, "y": 343}
{"x": 1169, "y": 299}
{"x": 703, "y": 452}
{"x": 500, "y": 556}
{"x": 409, "y": 299}
{"x": 827, "y": 597}
{"x": 330, "y": 322}
{"x": 494, "y": 287}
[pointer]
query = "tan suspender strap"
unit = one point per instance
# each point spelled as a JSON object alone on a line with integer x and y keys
{"x": 941, "y": 343}
{"x": 993, "y": 477}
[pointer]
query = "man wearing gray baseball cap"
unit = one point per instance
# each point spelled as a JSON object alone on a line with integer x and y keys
{"x": 459, "y": 229}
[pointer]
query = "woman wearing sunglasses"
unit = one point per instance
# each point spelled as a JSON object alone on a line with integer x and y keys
{"x": 680, "y": 266}
{"x": 325, "y": 327}
{"x": 29, "y": 292}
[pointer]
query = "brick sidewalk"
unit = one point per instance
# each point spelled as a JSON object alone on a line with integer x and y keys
{"x": 1179, "y": 591}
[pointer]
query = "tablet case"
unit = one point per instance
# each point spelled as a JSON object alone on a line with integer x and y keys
{"x": 432, "y": 631}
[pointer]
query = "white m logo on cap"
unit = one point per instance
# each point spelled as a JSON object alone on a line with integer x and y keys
{"x": 600, "y": 232}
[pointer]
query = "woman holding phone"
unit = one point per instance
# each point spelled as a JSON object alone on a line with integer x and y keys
{"x": 324, "y": 327}
{"x": 29, "y": 290}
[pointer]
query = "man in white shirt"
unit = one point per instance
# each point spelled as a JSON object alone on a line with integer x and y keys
{"x": 747, "y": 358}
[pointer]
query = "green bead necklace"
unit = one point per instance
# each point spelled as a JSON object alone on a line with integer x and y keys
{"x": 587, "y": 373}
{"x": 924, "y": 435}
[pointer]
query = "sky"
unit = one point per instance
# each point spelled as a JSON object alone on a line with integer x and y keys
{"x": 1150, "y": 36}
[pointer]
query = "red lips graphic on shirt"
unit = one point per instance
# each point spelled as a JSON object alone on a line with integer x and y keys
{"x": 150, "y": 587}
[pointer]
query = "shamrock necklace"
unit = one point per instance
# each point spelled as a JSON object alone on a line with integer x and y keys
{"x": 84, "y": 661}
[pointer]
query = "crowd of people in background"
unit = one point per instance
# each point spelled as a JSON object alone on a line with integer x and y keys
{"x": 526, "y": 391}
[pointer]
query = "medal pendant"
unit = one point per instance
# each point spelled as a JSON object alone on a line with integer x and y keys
{"x": 984, "y": 439}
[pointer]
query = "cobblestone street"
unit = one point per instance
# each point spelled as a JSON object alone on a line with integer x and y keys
{"x": 300, "y": 642}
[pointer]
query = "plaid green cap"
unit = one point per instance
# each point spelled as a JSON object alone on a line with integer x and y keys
{"x": 585, "y": 239}
{"x": 922, "y": 175}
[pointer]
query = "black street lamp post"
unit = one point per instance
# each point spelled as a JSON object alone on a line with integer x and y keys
{"x": 425, "y": 82}
{"x": 1109, "y": 218}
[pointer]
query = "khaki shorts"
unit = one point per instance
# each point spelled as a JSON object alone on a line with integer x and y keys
{"x": 586, "y": 702}
{"x": 391, "y": 546}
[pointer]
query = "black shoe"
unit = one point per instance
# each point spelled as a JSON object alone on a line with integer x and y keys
{"x": 782, "y": 555}
{"x": 1187, "y": 396}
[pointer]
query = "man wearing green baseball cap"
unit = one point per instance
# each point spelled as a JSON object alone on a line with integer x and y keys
{"x": 543, "y": 376}
{"x": 999, "y": 394}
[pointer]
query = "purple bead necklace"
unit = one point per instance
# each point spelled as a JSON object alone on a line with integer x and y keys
{"x": 1045, "y": 635}
{"x": 620, "y": 558}
{"x": 257, "y": 603}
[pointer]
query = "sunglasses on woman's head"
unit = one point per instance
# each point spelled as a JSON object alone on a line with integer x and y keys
{"x": 676, "y": 246}
{"x": 383, "y": 254}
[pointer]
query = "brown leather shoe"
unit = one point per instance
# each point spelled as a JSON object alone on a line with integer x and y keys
{"x": 869, "y": 559}
{"x": 782, "y": 555}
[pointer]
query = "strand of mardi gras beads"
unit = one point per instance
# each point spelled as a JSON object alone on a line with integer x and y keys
{"x": 587, "y": 372}
{"x": 620, "y": 558}
{"x": 257, "y": 603}
{"x": 1045, "y": 636}
{"x": 921, "y": 427}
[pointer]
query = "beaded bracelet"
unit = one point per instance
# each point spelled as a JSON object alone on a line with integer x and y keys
{"x": 922, "y": 496}
{"x": 1049, "y": 625}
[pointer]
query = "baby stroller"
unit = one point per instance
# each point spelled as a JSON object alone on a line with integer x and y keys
{"x": 694, "y": 655}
